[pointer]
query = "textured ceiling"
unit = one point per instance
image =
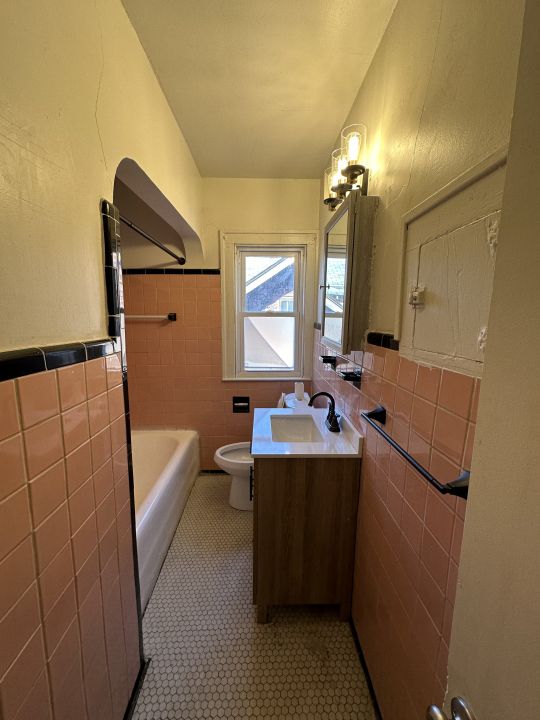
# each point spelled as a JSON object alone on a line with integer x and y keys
{"x": 260, "y": 88}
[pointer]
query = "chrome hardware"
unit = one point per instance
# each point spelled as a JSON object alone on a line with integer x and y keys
{"x": 416, "y": 296}
{"x": 461, "y": 710}
{"x": 435, "y": 713}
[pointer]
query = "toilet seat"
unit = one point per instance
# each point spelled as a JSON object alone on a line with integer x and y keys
{"x": 236, "y": 452}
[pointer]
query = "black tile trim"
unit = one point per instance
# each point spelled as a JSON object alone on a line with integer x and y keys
{"x": 136, "y": 579}
{"x": 385, "y": 340}
{"x": 99, "y": 348}
{"x": 17, "y": 363}
{"x": 57, "y": 356}
{"x": 111, "y": 286}
{"x": 110, "y": 210}
{"x": 136, "y": 689}
{"x": 114, "y": 325}
{"x": 365, "y": 668}
{"x": 171, "y": 271}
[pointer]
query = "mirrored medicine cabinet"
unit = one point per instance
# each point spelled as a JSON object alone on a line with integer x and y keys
{"x": 348, "y": 240}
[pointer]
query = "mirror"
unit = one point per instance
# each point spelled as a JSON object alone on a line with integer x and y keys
{"x": 348, "y": 241}
{"x": 336, "y": 276}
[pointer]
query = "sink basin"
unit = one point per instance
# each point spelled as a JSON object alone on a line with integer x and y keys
{"x": 294, "y": 428}
{"x": 300, "y": 433}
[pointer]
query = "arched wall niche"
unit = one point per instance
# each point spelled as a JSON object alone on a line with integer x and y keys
{"x": 140, "y": 201}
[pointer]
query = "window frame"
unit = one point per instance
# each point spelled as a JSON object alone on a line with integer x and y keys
{"x": 298, "y": 253}
{"x": 236, "y": 245}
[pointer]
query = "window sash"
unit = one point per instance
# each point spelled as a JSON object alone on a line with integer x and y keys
{"x": 299, "y": 279}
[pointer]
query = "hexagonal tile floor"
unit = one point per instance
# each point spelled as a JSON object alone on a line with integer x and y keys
{"x": 210, "y": 658}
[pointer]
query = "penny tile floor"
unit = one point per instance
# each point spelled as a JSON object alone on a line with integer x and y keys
{"x": 210, "y": 658}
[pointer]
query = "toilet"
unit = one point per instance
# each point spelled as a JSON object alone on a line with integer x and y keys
{"x": 236, "y": 460}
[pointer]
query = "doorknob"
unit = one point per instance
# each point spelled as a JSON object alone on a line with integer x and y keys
{"x": 461, "y": 710}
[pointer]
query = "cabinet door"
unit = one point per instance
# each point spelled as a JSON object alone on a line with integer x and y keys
{"x": 305, "y": 530}
{"x": 450, "y": 259}
{"x": 347, "y": 270}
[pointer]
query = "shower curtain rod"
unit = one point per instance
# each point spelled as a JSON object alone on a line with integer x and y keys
{"x": 181, "y": 260}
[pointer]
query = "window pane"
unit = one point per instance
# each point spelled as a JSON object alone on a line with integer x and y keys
{"x": 336, "y": 268}
{"x": 335, "y": 293}
{"x": 269, "y": 343}
{"x": 269, "y": 283}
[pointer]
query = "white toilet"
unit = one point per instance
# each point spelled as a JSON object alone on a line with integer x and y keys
{"x": 236, "y": 460}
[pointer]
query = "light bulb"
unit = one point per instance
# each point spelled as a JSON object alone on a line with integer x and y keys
{"x": 328, "y": 183}
{"x": 339, "y": 163}
{"x": 353, "y": 144}
{"x": 353, "y": 149}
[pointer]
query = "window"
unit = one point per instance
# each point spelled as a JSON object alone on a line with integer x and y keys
{"x": 265, "y": 309}
{"x": 267, "y": 334}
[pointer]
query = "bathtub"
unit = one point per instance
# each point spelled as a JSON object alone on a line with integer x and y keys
{"x": 165, "y": 465}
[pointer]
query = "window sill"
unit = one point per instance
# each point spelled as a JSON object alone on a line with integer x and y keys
{"x": 266, "y": 379}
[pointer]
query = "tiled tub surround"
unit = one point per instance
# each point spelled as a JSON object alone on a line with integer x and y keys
{"x": 409, "y": 536}
{"x": 175, "y": 367}
{"x": 69, "y": 643}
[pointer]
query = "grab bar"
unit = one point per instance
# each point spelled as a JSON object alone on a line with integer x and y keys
{"x": 169, "y": 316}
{"x": 459, "y": 487}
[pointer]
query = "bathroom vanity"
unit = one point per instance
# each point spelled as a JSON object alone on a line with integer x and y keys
{"x": 306, "y": 484}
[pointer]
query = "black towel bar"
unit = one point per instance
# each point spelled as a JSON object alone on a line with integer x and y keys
{"x": 459, "y": 487}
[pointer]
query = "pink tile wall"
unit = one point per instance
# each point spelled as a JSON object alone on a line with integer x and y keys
{"x": 175, "y": 367}
{"x": 409, "y": 536}
{"x": 68, "y": 621}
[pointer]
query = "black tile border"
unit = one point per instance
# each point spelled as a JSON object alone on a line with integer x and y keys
{"x": 136, "y": 689}
{"x": 116, "y": 329}
{"x": 57, "y": 356}
{"x": 171, "y": 271}
{"x": 385, "y": 340}
{"x": 365, "y": 668}
{"x": 100, "y": 348}
{"x": 17, "y": 363}
{"x": 114, "y": 291}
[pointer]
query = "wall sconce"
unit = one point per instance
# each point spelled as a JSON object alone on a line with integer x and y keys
{"x": 331, "y": 200}
{"x": 353, "y": 143}
{"x": 339, "y": 184}
{"x": 347, "y": 166}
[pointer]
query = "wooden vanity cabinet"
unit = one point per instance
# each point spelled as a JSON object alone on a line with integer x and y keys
{"x": 305, "y": 512}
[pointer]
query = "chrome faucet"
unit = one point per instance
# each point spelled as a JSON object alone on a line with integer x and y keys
{"x": 332, "y": 418}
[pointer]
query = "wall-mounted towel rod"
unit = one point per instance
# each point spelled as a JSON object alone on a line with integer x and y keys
{"x": 459, "y": 487}
{"x": 169, "y": 316}
{"x": 181, "y": 260}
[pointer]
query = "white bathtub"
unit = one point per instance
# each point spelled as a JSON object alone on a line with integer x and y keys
{"x": 165, "y": 465}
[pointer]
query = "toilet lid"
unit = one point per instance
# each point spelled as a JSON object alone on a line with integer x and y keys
{"x": 238, "y": 454}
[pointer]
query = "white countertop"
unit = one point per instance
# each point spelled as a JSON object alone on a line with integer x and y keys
{"x": 347, "y": 443}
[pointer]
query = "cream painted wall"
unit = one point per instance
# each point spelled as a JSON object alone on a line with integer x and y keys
{"x": 256, "y": 205}
{"x": 77, "y": 95}
{"x": 495, "y": 650}
{"x": 436, "y": 100}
